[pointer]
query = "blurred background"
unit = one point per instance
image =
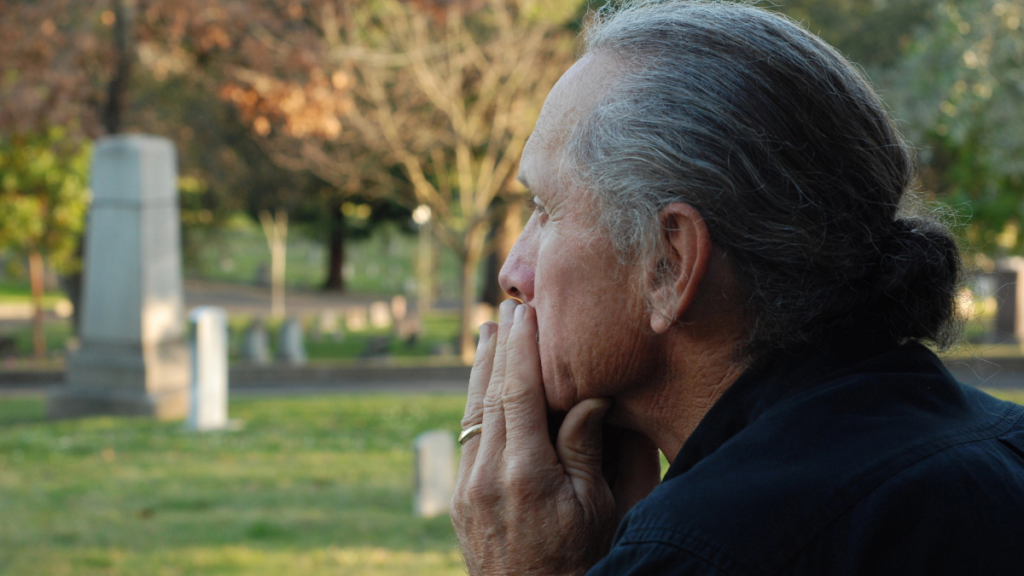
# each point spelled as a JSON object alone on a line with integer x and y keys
{"x": 346, "y": 183}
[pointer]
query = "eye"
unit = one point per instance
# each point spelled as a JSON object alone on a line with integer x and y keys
{"x": 539, "y": 209}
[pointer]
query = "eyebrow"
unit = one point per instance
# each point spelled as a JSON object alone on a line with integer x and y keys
{"x": 522, "y": 180}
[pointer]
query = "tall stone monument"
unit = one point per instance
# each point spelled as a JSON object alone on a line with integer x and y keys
{"x": 132, "y": 359}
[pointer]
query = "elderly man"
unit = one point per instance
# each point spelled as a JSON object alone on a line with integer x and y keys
{"x": 725, "y": 265}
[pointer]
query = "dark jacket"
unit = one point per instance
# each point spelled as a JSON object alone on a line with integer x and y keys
{"x": 857, "y": 459}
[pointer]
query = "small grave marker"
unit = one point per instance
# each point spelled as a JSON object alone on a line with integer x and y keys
{"x": 399, "y": 308}
{"x": 209, "y": 345}
{"x": 434, "y": 457}
{"x": 256, "y": 345}
{"x": 355, "y": 319}
{"x": 327, "y": 326}
{"x": 291, "y": 345}
{"x": 380, "y": 315}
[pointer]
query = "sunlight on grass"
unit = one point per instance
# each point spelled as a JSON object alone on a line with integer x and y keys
{"x": 312, "y": 485}
{"x": 333, "y": 560}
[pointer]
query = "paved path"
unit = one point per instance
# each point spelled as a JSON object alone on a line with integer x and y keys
{"x": 999, "y": 373}
{"x": 283, "y": 380}
{"x": 255, "y": 300}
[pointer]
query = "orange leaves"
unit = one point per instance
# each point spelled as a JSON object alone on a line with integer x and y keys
{"x": 310, "y": 109}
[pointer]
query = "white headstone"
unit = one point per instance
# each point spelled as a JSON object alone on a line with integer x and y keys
{"x": 328, "y": 325}
{"x": 484, "y": 313}
{"x": 256, "y": 344}
{"x": 133, "y": 358}
{"x": 434, "y": 460}
{"x": 209, "y": 346}
{"x": 380, "y": 315}
{"x": 355, "y": 319}
{"x": 291, "y": 347}
{"x": 399, "y": 307}
{"x": 409, "y": 327}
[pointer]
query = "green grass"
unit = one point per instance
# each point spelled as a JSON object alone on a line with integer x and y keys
{"x": 312, "y": 485}
{"x": 57, "y": 334}
{"x": 18, "y": 291}
{"x": 383, "y": 263}
{"x": 438, "y": 327}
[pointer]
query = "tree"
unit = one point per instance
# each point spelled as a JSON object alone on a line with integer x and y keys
{"x": 157, "y": 66}
{"x": 960, "y": 90}
{"x": 454, "y": 101}
{"x": 43, "y": 199}
{"x": 448, "y": 93}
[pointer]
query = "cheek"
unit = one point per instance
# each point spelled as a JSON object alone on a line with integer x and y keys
{"x": 589, "y": 338}
{"x": 563, "y": 303}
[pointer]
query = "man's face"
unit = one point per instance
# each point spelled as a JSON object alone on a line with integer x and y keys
{"x": 593, "y": 333}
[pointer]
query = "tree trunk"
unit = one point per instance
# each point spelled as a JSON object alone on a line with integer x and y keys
{"x": 505, "y": 236}
{"x": 425, "y": 269}
{"x": 336, "y": 251}
{"x": 37, "y": 279}
{"x": 117, "y": 90}
{"x": 471, "y": 258}
{"x": 276, "y": 231}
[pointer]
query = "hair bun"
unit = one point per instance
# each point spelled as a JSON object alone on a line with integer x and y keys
{"x": 918, "y": 276}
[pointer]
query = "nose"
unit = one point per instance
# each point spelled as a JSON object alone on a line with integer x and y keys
{"x": 516, "y": 276}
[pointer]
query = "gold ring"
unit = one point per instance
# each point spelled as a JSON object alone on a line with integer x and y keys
{"x": 470, "y": 432}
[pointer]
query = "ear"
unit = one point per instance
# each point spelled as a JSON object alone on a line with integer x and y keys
{"x": 677, "y": 276}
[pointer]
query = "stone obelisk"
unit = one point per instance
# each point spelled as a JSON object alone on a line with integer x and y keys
{"x": 132, "y": 358}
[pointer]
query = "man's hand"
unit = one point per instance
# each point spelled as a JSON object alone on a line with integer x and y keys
{"x": 525, "y": 506}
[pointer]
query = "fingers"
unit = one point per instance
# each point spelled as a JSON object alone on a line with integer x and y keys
{"x": 492, "y": 438}
{"x": 523, "y": 396}
{"x": 479, "y": 378}
{"x": 506, "y": 311}
{"x": 478, "y": 381}
{"x": 580, "y": 449}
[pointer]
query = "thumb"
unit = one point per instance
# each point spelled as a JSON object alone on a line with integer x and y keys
{"x": 580, "y": 447}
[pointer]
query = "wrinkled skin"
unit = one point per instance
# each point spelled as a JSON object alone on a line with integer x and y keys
{"x": 531, "y": 499}
{"x": 523, "y": 505}
{"x": 631, "y": 373}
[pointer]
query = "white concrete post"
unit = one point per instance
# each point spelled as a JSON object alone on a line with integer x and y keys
{"x": 434, "y": 460}
{"x": 209, "y": 345}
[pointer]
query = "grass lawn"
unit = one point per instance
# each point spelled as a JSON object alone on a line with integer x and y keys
{"x": 20, "y": 292}
{"x": 311, "y": 485}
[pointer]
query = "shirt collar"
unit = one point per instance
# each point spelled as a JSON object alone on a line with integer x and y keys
{"x": 763, "y": 385}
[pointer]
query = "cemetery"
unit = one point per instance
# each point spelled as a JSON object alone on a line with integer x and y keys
{"x": 238, "y": 308}
{"x": 356, "y": 482}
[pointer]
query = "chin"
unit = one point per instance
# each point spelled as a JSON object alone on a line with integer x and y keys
{"x": 555, "y": 393}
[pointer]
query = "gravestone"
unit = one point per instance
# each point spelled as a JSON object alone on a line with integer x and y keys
{"x": 1008, "y": 278}
{"x": 408, "y": 328}
{"x": 209, "y": 346}
{"x": 327, "y": 325}
{"x": 380, "y": 315}
{"x": 133, "y": 358}
{"x": 483, "y": 312}
{"x": 399, "y": 307}
{"x": 256, "y": 343}
{"x": 434, "y": 461}
{"x": 355, "y": 319}
{"x": 290, "y": 344}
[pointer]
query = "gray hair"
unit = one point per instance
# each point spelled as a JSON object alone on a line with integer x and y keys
{"x": 803, "y": 180}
